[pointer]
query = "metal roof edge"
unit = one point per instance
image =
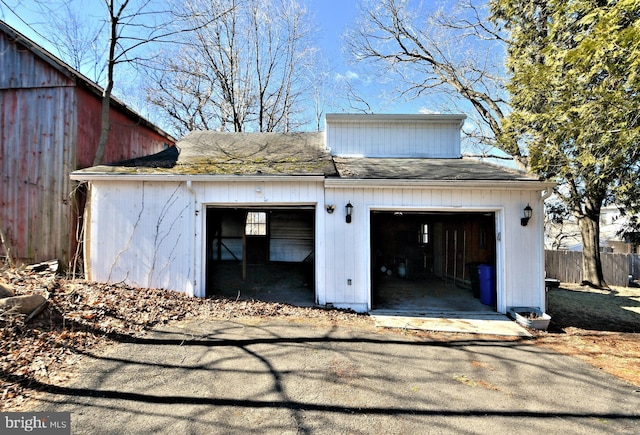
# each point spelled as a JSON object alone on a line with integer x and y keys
{"x": 328, "y": 182}
{"x": 446, "y": 184}
{"x": 104, "y": 176}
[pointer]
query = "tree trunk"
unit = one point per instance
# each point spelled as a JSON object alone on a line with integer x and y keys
{"x": 591, "y": 264}
{"x": 105, "y": 124}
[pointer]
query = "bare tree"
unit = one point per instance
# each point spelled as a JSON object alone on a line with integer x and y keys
{"x": 133, "y": 24}
{"x": 121, "y": 32}
{"x": 189, "y": 98}
{"x": 76, "y": 39}
{"x": 453, "y": 55}
{"x": 243, "y": 71}
{"x": 73, "y": 38}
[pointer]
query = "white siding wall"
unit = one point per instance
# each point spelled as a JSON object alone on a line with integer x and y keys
{"x": 394, "y": 139}
{"x": 152, "y": 234}
{"x": 519, "y": 260}
{"x": 141, "y": 233}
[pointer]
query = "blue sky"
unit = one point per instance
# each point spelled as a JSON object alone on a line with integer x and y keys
{"x": 332, "y": 18}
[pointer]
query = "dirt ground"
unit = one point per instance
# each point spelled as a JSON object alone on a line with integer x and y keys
{"x": 600, "y": 327}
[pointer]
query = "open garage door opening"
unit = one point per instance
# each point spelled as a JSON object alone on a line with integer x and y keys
{"x": 435, "y": 261}
{"x": 264, "y": 254}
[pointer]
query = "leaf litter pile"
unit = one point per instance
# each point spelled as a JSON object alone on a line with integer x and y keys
{"x": 80, "y": 316}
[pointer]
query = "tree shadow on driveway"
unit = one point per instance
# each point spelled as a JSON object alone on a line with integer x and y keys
{"x": 232, "y": 377}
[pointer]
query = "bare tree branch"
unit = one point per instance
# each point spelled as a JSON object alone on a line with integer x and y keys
{"x": 253, "y": 61}
{"x": 455, "y": 53}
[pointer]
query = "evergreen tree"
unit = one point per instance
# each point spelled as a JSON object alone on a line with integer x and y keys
{"x": 574, "y": 86}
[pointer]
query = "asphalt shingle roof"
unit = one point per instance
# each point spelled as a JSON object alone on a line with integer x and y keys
{"x": 425, "y": 169}
{"x": 220, "y": 153}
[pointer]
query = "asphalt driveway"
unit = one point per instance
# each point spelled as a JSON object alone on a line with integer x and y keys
{"x": 286, "y": 378}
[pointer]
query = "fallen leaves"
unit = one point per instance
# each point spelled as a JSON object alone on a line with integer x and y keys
{"x": 617, "y": 353}
{"x": 463, "y": 379}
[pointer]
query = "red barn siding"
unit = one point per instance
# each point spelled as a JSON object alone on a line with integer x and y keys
{"x": 49, "y": 126}
{"x": 36, "y": 152}
{"x": 127, "y": 137}
{"x": 21, "y": 69}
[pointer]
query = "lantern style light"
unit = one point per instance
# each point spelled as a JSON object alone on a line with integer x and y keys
{"x": 349, "y": 208}
{"x": 528, "y": 211}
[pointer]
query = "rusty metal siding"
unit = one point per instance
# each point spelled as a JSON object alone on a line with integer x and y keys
{"x": 45, "y": 134}
{"x": 36, "y": 154}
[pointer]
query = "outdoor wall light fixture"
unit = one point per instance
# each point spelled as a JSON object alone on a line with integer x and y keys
{"x": 349, "y": 208}
{"x": 330, "y": 208}
{"x": 528, "y": 211}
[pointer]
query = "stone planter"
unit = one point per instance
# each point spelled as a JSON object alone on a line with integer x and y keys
{"x": 530, "y": 317}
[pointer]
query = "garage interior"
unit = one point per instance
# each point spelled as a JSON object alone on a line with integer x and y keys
{"x": 263, "y": 254}
{"x": 428, "y": 261}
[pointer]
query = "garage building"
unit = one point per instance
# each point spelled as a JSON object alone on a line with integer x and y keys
{"x": 378, "y": 211}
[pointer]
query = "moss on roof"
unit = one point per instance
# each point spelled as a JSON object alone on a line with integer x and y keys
{"x": 264, "y": 154}
{"x": 215, "y": 153}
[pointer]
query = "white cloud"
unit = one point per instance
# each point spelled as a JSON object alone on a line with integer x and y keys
{"x": 426, "y": 111}
{"x": 348, "y": 76}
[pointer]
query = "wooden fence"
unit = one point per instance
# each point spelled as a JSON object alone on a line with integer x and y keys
{"x": 567, "y": 266}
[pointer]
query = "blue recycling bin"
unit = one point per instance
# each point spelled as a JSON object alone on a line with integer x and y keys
{"x": 487, "y": 278}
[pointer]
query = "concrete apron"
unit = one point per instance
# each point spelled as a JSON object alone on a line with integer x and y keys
{"x": 447, "y": 321}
